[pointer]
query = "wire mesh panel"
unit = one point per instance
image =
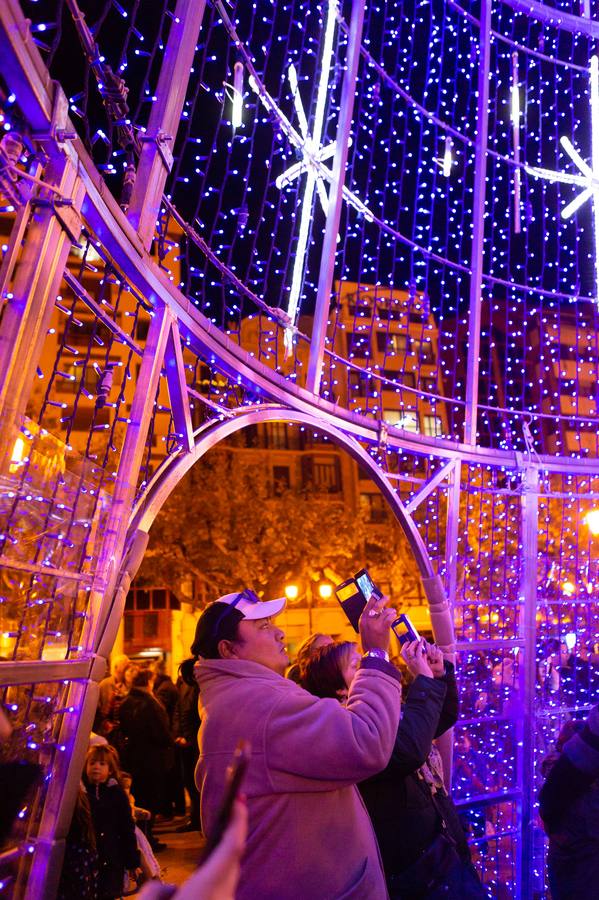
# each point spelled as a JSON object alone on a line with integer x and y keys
{"x": 488, "y": 767}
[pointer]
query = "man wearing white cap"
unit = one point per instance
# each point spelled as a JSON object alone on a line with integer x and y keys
{"x": 309, "y": 833}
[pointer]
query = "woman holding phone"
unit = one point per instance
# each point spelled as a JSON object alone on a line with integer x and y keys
{"x": 422, "y": 843}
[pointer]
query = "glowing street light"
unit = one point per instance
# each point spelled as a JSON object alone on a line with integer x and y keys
{"x": 325, "y": 590}
{"x": 291, "y": 592}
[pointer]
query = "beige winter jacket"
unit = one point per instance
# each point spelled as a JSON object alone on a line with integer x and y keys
{"x": 310, "y": 837}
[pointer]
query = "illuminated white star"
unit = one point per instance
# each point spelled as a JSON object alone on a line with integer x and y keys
{"x": 312, "y": 154}
{"x": 588, "y": 179}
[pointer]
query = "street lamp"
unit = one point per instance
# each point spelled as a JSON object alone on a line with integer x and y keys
{"x": 291, "y": 592}
{"x": 325, "y": 590}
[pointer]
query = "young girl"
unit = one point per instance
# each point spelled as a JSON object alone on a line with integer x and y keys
{"x": 113, "y": 822}
{"x": 79, "y": 875}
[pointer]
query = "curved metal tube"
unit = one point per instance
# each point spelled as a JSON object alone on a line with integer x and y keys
{"x": 170, "y": 474}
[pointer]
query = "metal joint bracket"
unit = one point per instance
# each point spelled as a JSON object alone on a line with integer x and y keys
{"x": 61, "y": 129}
{"x": 530, "y": 478}
{"x": 439, "y": 476}
{"x": 98, "y": 668}
{"x": 162, "y": 141}
{"x": 67, "y": 215}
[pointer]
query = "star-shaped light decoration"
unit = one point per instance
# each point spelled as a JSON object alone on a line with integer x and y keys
{"x": 588, "y": 179}
{"x": 312, "y": 154}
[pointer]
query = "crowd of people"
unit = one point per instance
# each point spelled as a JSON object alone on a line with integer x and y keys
{"x": 153, "y": 724}
{"x": 344, "y": 795}
{"x": 141, "y": 760}
{"x": 345, "y": 792}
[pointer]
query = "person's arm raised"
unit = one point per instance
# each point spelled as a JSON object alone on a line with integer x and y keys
{"x": 314, "y": 744}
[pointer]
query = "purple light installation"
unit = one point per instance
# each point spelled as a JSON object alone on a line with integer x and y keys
{"x": 397, "y": 341}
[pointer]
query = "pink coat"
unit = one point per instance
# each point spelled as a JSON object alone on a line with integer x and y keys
{"x": 310, "y": 837}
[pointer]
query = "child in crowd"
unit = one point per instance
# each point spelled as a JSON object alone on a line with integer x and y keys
{"x": 149, "y": 864}
{"x": 79, "y": 875}
{"x": 113, "y": 823}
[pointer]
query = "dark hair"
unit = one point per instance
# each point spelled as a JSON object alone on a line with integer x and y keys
{"x": 186, "y": 670}
{"x": 82, "y": 826}
{"x": 142, "y": 678}
{"x": 107, "y": 754}
{"x": 305, "y": 651}
{"x": 569, "y": 729}
{"x": 218, "y": 622}
{"x": 322, "y": 674}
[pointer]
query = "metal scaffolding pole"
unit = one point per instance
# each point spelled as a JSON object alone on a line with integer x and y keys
{"x": 478, "y": 214}
{"x": 327, "y": 260}
{"x": 156, "y": 157}
{"x": 451, "y": 579}
{"x": 526, "y": 725}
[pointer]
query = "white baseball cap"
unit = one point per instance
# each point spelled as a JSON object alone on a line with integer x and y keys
{"x": 250, "y": 605}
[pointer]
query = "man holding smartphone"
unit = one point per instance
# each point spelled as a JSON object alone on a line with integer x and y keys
{"x": 309, "y": 834}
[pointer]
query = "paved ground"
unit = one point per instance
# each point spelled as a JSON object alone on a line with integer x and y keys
{"x": 180, "y": 858}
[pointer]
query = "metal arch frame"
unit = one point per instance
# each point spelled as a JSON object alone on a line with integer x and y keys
{"x": 554, "y": 17}
{"x": 104, "y": 216}
{"x": 173, "y": 470}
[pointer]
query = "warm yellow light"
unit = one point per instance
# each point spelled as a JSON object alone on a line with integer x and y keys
{"x": 592, "y": 520}
{"x": 291, "y": 591}
{"x": 18, "y": 451}
{"x": 18, "y": 454}
{"x": 569, "y": 588}
{"x": 325, "y": 590}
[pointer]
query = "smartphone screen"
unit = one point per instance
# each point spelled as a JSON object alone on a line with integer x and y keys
{"x": 405, "y": 631}
{"x": 345, "y": 591}
{"x": 365, "y": 583}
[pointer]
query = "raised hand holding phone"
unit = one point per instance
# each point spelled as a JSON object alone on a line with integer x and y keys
{"x": 375, "y": 624}
{"x": 354, "y": 594}
{"x": 435, "y": 660}
{"x": 414, "y": 655}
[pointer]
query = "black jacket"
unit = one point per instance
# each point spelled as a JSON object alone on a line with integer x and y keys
{"x": 144, "y": 722}
{"x": 569, "y": 807}
{"x": 167, "y": 693}
{"x": 115, "y": 835}
{"x": 400, "y": 804}
{"x": 186, "y": 720}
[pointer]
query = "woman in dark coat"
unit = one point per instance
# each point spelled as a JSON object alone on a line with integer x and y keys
{"x": 187, "y": 724}
{"x": 148, "y": 749}
{"x": 422, "y": 843}
{"x": 569, "y": 807}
